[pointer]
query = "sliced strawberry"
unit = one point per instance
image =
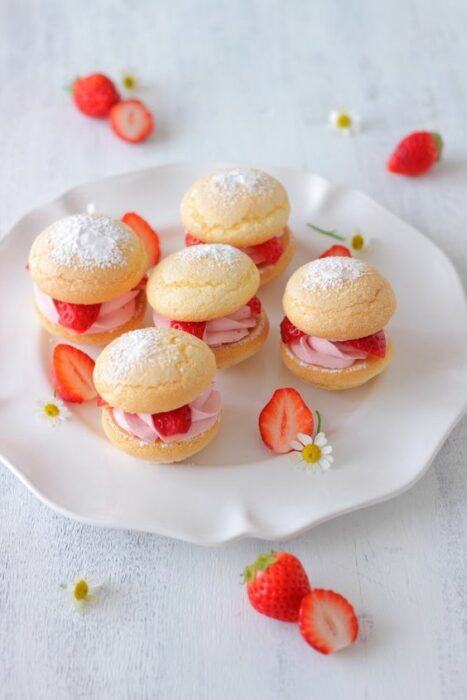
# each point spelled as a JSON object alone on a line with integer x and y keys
{"x": 72, "y": 374}
{"x": 283, "y": 417}
{"x": 141, "y": 284}
{"x": 336, "y": 251}
{"x": 131, "y": 120}
{"x": 327, "y": 621}
{"x": 77, "y": 317}
{"x": 271, "y": 249}
{"x": 372, "y": 344}
{"x": 289, "y": 332}
{"x": 255, "y": 305}
{"x": 196, "y": 328}
{"x": 147, "y": 234}
{"x": 173, "y": 422}
{"x": 192, "y": 240}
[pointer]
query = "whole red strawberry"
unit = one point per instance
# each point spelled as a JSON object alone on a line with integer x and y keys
{"x": 416, "y": 153}
{"x": 95, "y": 94}
{"x": 276, "y": 585}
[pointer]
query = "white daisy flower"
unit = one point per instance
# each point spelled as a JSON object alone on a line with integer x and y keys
{"x": 346, "y": 123}
{"x": 82, "y": 593}
{"x": 312, "y": 454}
{"x": 53, "y": 411}
{"x": 130, "y": 81}
{"x": 359, "y": 243}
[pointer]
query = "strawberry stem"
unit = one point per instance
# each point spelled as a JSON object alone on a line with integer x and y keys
{"x": 262, "y": 563}
{"x": 332, "y": 233}
{"x": 439, "y": 144}
{"x": 318, "y": 428}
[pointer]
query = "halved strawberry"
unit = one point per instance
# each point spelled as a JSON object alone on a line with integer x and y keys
{"x": 175, "y": 422}
{"x": 192, "y": 240}
{"x": 289, "y": 332}
{"x": 72, "y": 374}
{"x": 131, "y": 120}
{"x": 255, "y": 305}
{"x": 327, "y": 621}
{"x": 271, "y": 249}
{"x": 336, "y": 251}
{"x": 147, "y": 234}
{"x": 196, "y": 328}
{"x": 77, "y": 317}
{"x": 372, "y": 344}
{"x": 283, "y": 417}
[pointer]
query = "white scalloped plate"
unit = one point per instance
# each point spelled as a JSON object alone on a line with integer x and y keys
{"x": 385, "y": 434}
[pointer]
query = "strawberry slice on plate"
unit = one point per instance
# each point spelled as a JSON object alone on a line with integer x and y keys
{"x": 327, "y": 621}
{"x": 76, "y": 317}
{"x": 372, "y": 344}
{"x": 72, "y": 374}
{"x": 336, "y": 251}
{"x": 131, "y": 120}
{"x": 147, "y": 234}
{"x": 283, "y": 417}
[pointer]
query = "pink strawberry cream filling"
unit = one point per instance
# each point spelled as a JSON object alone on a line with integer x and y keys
{"x": 226, "y": 329}
{"x": 112, "y": 314}
{"x": 325, "y": 353}
{"x": 205, "y": 411}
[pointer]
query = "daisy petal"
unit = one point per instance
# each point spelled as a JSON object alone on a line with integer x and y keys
{"x": 324, "y": 464}
{"x": 326, "y": 450}
{"x": 296, "y": 445}
{"x": 321, "y": 440}
{"x": 305, "y": 439}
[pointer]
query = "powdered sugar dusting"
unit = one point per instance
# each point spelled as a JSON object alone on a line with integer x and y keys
{"x": 229, "y": 185}
{"x": 89, "y": 240}
{"x": 136, "y": 350}
{"x": 217, "y": 254}
{"x": 326, "y": 273}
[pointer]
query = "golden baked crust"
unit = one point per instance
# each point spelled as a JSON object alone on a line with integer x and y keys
{"x": 269, "y": 273}
{"x": 357, "y": 374}
{"x": 202, "y": 282}
{"x": 240, "y": 206}
{"x": 338, "y": 299}
{"x": 87, "y": 259}
{"x": 154, "y": 369}
{"x": 101, "y": 338}
{"x": 155, "y": 451}
{"x": 234, "y": 353}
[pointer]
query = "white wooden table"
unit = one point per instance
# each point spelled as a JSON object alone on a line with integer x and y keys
{"x": 249, "y": 81}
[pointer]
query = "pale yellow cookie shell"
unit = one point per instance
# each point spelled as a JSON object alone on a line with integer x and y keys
{"x": 101, "y": 337}
{"x": 346, "y": 310}
{"x": 202, "y": 282}
{"x": 79, "y": 283}
{"x": 238, "y": 206}
{"x": 155, "y": 451}
{"x": 151, "y": 370}
{"x": 333, "y": 380}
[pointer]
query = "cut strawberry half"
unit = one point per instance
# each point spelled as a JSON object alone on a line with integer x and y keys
{"x": 255, "y": 305}
{"x": 72, "y": 374}
{"x": 147, "y": 234}
{"x": 283, "y": 417}
{"x": 289, "y": 332}
{"x": 78, "y": 317}
{"x": 271, "y": 249}
{"x": 327, "y": 621}
{"x": 141, "y": 284}
{"x": 192, "y": 240}
{"x": 131, "y": 120}
{"x": 173, "y": 422}
{"x": 336, "y": 251}
{"x": 196, "y": 328}
{"x": 372, "y": 344}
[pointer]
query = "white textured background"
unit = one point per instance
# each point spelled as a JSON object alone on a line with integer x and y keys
{"x": 248, "y": 81}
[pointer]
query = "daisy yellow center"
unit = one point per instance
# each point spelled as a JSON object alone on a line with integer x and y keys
{"x": 81, "y": 590}
{"x": 358, "y": 241}
{"x": 51, "y": 410}
{"x": 343, "y": 121}
{"x": 129, "y": 81}
{"x": 311, "y": 453}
